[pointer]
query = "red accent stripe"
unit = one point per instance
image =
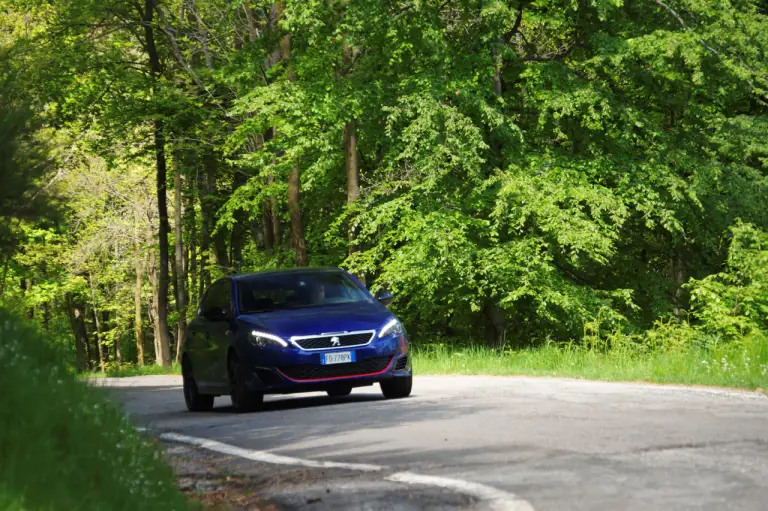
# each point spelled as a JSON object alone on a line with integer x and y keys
{"x": 389, "y": 365}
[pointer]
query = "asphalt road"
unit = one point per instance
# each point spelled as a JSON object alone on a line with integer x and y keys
{"x": 555, "y": 444}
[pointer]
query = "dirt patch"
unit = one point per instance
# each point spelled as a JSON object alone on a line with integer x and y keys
{"x": 220, "y": 482}
{"x": 203, "y": 479}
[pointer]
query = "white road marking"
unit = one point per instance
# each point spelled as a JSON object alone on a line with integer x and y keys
{"x": 497, "y": 500}
{"x": 265, "y": 457}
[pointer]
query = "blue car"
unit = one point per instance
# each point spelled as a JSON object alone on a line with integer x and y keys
{"x": 287, "y": 331}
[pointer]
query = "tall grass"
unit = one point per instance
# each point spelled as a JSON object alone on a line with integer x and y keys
{"x": 667, "y": 354}
{"x": 64, "y": 445}
{"x": 743, "y": 365}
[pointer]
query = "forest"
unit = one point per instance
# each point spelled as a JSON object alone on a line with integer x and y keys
{"x": 519, "y": 174}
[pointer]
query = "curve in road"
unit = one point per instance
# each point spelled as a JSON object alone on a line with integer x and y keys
{"x": 557, "y": 444}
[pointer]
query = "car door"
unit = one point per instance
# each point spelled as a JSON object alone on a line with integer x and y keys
{"x": 196, "y": 343}
{"x": 219, "y": 321}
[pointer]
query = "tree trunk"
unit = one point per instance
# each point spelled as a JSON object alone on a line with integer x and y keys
{"x": 353, "y": 175}
{"x": 175, "y": 290}
{"x": 118, "y": 344}
{"x": 266, "y": 228}
{"x": 202, "y": 34}
{"x": 152, "y": 310}
{"x": 498, "y": 90}
{"x": 161, "y": 290}
{"x": 27, "y": 287}
{"x": 294, "y": 179}
{"x": 498, "y": 87}
{"x": 181, "y": 277}
{"x": 220, "y": 253}
{"x": 236, "y": 241}
{"x": 275, "y": 216}
{"x": 138, "y": 325}
{"x": 678, "y": 278}
{"x": 497, "y": 321}
{"x": 138, "y": 322}
{"x": 294, "y": 209}
{"x": 252, "y": 32}
{"x": 205, "y": 233}
{"x": 89, "y": 353}
{"x": 257, "y": 235}
{"x": 190, "y": 265}
{"x": 77, "y": 323}
{"x": 97, "y": 323}
{"x": 240, "y": 228}
{"x": 219, "y": 237}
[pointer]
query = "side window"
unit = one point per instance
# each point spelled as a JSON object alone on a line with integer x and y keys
{"x": 219, "y": 296}
{"x": 203, "y": 300}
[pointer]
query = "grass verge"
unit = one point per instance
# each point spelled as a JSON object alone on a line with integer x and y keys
{"x": 738, "y": 365}
{"x": 63, "y": 444}
{"x": 744, "y": 366}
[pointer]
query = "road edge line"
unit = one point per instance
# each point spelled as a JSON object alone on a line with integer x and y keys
{"x": 497, "y": 500}
{"x": 263, "y": 456}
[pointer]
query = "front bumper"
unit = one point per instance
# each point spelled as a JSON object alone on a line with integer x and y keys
{"x": 273, "y": 369}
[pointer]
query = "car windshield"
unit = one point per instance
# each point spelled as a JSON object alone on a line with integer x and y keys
{"x": 283, "y": 291}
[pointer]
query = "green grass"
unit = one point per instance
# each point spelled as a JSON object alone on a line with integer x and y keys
{"x": 743, "y": 366}
{"x": 63, "y": 444}
{"x": 126, "y": 370}
{"x": 738, "y": 365}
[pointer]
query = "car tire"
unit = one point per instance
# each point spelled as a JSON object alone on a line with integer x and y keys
{"x": 397, "y": 388}
{"x": 243, "y": 400}
{"x": 195, "y": 401}
{"x": 339, "y": 391}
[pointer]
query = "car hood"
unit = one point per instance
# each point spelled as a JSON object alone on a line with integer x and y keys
{"x": 320, "y": 320}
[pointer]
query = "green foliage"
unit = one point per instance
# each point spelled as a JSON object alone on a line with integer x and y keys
{"x": 734, "y": 303}
{"x": 530, "y": 172}
{"x": 23, "y": 162}
{"x": 63, "y": 445}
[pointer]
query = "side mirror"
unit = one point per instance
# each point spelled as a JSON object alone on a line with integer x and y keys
{"x": 384, "y": 298}
{"x": 216, "y": 314}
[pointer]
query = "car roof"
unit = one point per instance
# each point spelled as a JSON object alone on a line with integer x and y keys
{"x": 286, "y": 271}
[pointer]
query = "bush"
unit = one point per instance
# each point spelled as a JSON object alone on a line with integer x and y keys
{"x": 734, "y": 303}
{"x": 63, "y": 445}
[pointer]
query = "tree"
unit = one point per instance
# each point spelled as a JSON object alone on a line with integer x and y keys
{"x": 509, "y": 170}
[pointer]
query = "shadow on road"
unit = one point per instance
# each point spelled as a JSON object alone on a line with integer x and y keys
{"x": 288, "y": 421}
{"x": 289, "y": 402}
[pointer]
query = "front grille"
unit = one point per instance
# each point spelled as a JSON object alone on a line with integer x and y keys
{"x": 324, "y": 341}
{"x": 401, "y": 363}
{"x": 314, "y": 372}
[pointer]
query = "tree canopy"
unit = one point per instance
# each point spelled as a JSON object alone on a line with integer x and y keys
{"x": 515, "y": 172}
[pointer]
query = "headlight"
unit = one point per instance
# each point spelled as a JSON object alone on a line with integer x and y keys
{"x": 263, "y": 339}
{"x": 391, "y": 327}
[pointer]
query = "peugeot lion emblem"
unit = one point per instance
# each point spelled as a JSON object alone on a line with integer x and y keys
{"x": 335, "y": 341}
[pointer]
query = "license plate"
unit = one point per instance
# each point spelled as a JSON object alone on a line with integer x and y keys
{"x": 339, "y": 357}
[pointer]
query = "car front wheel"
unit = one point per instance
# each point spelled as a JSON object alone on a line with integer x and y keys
{"x": 243, "y": 400}
{"x": 195, "y": 401}
{"x": 397, "y": 388}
